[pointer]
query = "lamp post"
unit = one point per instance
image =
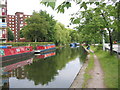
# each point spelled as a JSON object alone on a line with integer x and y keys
{"x": 103, "y": 39}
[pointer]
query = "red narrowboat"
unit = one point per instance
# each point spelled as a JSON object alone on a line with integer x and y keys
{"x": 8, "y": 53}
{"x": 45, "y": 48}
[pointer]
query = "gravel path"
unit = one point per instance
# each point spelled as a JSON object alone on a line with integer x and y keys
{"x": 97, "y": 75}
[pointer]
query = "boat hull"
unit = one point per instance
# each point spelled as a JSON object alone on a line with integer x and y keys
{"x": 44, "y": 51}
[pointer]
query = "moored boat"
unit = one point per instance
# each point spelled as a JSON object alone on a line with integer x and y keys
{"x": 74, "y": 44}
{"x": 45, "y": 48}
{"x": 8, "y": 53}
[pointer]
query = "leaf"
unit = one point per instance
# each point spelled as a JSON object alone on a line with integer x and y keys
{"x": 47, "y": 3}
{"x": 68, "y": 4}
{"x": 51, "y": 4}
{"x": 97, "y": 3}
{"x": 84, "y": 5}
{"x": 76, "y": 21}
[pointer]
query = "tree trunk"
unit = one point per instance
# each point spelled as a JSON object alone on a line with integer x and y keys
{"x": 110, "y": 34}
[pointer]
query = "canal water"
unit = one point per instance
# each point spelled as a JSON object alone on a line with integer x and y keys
{"x": 56, "y": 69}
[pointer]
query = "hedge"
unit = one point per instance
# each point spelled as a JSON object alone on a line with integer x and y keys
{"x": 34, "y": 44}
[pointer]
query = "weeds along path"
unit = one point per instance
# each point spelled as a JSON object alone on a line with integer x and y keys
{"x": 97, "y": 75}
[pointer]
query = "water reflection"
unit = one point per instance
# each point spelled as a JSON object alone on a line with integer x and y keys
{"x": 9, "y": 69}
{"x": 43, "y": 72}
{"x": 45, "y": 55}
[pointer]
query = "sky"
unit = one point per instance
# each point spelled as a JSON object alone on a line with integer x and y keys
{"x": 27, "y": 6}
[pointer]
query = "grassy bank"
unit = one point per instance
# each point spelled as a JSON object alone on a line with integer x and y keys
{"x": 109, "y": 65}
{"x": 90, "y": 66}
{"x": 34, "y": 44}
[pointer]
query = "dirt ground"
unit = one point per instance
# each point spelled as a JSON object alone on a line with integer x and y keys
{"x": 97, "y": 76}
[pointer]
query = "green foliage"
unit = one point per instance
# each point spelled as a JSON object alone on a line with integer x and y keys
{"x": 61, "y": 8}
{"x": 84, "y": 5}
{"x": 34, "y": 44}
{"x": 51, "y": 22}
{"x": 93, "y": 20}
{"x": 62, "y": 35}
{"x": 10, "y": 35}
{"x": 75, "y": 36}
{"x": 40, "y": 27}
{"x": 36, "y": 29}
{"x": 21, "y": 33}
{"x": 51, "y": 4}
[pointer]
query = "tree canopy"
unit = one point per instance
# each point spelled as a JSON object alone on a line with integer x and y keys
{"x": 10, "y": 35}
{"x": 92, "y": 21}
{"x": 39, "y": 27}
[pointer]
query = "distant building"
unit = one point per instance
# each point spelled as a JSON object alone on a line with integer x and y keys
{"x": 16, "y": 23}
{"x": 3, "y": 21}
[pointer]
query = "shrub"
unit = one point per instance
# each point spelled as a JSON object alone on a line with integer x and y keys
{"x": 34, "y": 44}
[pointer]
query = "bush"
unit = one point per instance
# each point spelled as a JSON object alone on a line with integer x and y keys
{"x": 100, "y": 47}
{"x": 34, "y": 44}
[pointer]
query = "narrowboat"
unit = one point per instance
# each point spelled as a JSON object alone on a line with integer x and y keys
{"x": 74, "y": 44}
{"x": 45, "y": 48}
{"x": 8, "y": 53}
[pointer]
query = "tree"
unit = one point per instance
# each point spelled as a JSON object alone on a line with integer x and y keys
{"x": 10, "y": 35}
{"x": 21, "y": 33}
{"x": 37, "y": 27}
{"x": 40, "y": 27}
{"x": 105, "y": 15}
{"x": 75, "y": 36}
{"x": 51, "y": 22}
{"x": 62, "y": 35}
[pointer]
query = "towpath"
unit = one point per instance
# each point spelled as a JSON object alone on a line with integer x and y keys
{"x": 97, "y": 80}
{"x": 97, "y": 76}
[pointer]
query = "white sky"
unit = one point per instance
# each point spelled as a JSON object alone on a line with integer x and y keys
{"x": 27, "y": 6}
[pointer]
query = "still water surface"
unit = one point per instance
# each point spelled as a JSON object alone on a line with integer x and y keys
{"x": 55, "y": 69}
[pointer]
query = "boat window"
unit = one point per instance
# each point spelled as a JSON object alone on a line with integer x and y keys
{"x": 27, "y": 49}
{"x": 18, "y": 50}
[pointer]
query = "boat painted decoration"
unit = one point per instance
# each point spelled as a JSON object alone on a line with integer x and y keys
{"x": 8, "y": 53}
{"x": 45, "y": 48}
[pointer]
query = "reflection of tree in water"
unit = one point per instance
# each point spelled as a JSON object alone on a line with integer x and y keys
{"x": 43, "y": 71}
{"x": 83, "y": 55}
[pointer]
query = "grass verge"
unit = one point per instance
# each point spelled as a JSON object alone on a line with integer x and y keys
{"x": 90, "y": 66}
{"x": 109, "y": 65}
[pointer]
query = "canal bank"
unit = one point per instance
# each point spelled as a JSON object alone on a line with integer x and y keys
{"x": 103, "y": 75}
{"x": 79, "y": 79}
{"x": 90, "y": 73}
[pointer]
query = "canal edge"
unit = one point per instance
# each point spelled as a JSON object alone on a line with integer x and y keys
{"x": 79, "y": 79}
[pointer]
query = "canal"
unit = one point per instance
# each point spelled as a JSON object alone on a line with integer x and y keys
{"x": 56, "y": 69}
